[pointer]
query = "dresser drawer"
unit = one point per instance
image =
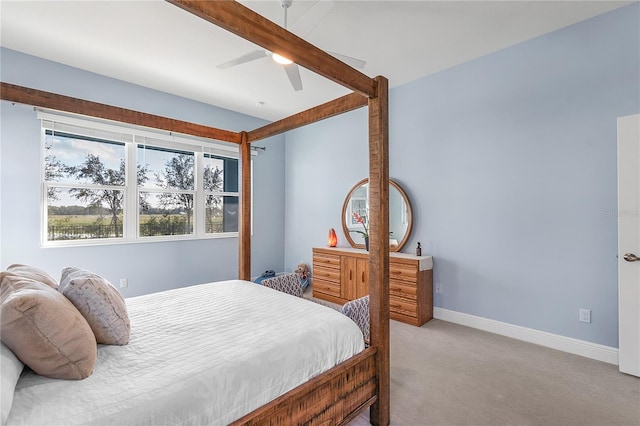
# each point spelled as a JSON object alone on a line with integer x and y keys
{"x": 326, "y": 274}
{"x": 405, "y": 289}
{"x": 400, "y": 271}
{"x": 403, "y": 306}
{"x": 326, "y": 287}
{"x": 326, "y": 260}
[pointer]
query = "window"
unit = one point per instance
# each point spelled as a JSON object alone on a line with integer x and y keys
{"x": 106, "y": 183}
{"x": 166, "y": 191}
{"x": 221, "y": 192}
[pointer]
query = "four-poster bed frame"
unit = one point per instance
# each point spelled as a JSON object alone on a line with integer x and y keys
{"x": 340, "y": 394}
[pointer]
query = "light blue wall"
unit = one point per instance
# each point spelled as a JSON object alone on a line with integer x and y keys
{"x": 149, "y": 267}
{"x": 510, "y": 164}
{"x": 323, "y": 161}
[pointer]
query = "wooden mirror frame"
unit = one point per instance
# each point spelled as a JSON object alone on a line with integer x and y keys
{"x": 345, "y": 205}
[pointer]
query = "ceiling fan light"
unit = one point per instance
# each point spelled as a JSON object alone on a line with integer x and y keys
{"x": 281, "y": 59}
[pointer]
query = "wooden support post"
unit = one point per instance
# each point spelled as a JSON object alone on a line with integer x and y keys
{"x": 379, "y": 244}
{"x": 244, "y": 231}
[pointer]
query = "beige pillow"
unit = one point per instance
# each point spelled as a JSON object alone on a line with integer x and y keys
{"x": 99, "y": 302}
{"x": 34, "y": 274}
{"x": 44, "y": 330}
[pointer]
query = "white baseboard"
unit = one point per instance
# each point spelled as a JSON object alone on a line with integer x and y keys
{"x": 554, "y": 341}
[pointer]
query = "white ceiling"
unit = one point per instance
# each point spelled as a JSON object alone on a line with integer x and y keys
{"x": 158, "y": 45}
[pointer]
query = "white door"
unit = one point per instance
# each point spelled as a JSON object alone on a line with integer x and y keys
{"x": 629, "y": 244}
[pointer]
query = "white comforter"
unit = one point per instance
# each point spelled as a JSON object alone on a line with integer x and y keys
{"x": 201, "y": 355}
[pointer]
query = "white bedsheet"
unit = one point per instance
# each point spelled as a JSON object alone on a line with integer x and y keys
{"x": 201, "y": 355}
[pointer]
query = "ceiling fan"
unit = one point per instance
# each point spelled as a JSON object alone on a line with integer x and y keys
{"x": 302, "y": 28}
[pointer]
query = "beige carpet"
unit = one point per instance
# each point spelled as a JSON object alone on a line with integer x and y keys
{"x": 446, "y": 374}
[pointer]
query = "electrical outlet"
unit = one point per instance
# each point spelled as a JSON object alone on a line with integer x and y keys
{"x": 124, "y": 283}
{"x": 585, "y": 315}
{"x": 438, "y": 288}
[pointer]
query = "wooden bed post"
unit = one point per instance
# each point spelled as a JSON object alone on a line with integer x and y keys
{"x": 244, "y": 225}
{"x": 379, "y": 244}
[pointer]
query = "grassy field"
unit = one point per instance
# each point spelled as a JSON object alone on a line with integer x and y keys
{"x": 83, "y": 220}
{"x": 80, "y": 220}
{"x": 75, "y": 223}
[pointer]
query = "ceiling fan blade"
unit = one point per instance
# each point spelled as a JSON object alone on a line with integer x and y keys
{"x": 251, "y": 56}
{"x": 312, "y": 18}
{"x": 355, "y": 63}
{"x": 293, "y": 73}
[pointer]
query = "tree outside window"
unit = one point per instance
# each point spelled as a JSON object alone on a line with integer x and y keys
{"x": 86, "y": 190}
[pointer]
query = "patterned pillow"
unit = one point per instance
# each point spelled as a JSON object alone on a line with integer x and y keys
{"x": 44, "y": 330}
{"x": 99, "y": 302}
{"x": 358, "y": 311}
{"x": 286, "y": 283}
{"x": 34, "y": 274}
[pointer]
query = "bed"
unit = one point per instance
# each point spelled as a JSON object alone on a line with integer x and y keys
{"x": 340, "y": 393}
{"x": 217, "y": 372}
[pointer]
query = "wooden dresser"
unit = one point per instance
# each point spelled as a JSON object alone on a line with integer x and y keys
{"x": 341, "y": 274}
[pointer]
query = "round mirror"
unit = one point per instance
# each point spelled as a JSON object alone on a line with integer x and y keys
{"x": 355, "y": 215}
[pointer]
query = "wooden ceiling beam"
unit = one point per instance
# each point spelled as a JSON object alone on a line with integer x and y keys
{"x": 332, "y": 108}
{"x": 244, "y": 22}
{"x": 38, "y": 98}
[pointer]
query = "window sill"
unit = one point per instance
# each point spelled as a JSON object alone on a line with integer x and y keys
{"x": 144, "y": 240}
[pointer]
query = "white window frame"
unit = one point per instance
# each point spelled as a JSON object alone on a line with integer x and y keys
{"x": 132, "y": 136}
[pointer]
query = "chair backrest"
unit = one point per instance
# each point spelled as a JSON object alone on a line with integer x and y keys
{"x": 358, "y": 311}
{"x": 286, "y": 283}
